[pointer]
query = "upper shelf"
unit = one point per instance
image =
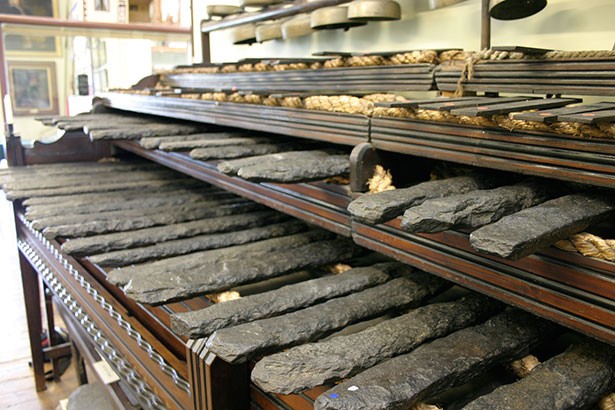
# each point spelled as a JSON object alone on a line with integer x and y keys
{"x": 531, "y": 152}
{"x": 275, "y": 12}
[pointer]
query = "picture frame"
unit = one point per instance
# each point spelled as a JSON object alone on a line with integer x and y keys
{"x": 32, "y": 44}
{"x": 33, "y": 88}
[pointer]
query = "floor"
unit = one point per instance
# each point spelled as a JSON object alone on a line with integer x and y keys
{"x": 16, "y": 380}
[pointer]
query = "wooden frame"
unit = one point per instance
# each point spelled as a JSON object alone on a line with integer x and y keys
{"x": 33, "y": 88}
{"x": 25, "y": 44}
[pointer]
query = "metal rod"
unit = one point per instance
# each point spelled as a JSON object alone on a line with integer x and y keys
{"x": 274, "y": 13}
{"x": 485, "y": 35}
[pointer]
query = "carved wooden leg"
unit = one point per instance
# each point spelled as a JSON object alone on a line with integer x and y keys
{"x": 31, "y": 291}
{"x": 51, "y": 335}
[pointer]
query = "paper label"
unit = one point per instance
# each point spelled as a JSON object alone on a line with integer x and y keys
{"x": 64, "y": 404}
{"x": 105, "y": 372}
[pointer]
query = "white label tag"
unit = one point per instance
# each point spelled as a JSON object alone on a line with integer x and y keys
{"x": 64, "y": 404}
{"x": 105, "y": 372}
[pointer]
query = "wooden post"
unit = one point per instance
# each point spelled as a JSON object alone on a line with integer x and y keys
{"x": 31, "y": 292}
{"x": 485, "y": 35}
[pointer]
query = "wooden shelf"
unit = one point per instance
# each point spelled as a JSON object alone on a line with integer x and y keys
{"x": 572, "y": 290}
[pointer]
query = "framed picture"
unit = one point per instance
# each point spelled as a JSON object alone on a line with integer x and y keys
{"x": 26, "y": 43}
{"x": 33, "y": 88}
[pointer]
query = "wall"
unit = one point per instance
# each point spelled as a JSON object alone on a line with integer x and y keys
{"x": 564, "y": 24}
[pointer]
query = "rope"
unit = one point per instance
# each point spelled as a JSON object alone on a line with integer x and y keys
{"x": 339, "y": 103}
{"x": 589, "y": 245}
{"x": 415, "y": 57}
{"x": 522, "y": 367}
{"x": 224, "y": 296}
{"x": 607, "y": 402}
{"x": 381, "y": 180}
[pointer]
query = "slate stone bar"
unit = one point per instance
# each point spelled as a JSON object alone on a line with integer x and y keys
{"x": 223, "y": 275}
{"x": 169, "y": 198}
{"x": 154, "y": 142}
{"x": 403, "y": 381}
{"x": 196, "y": 243}
{"x": 119, "y": 194}
{"x": 203, "y": 322}
{"x": 208, "y": 143}
{"x": 122, "y": 214}
{"x": 575, "y": 379}
{"x": 297, "y": 170}
{"x": 527, "y": 231}
{"x": 151, "y": 130}
{"x": 138, "y": 222}
{"x": 93, "y": 188}
{"x": 195, "y": 260}
{"x": 237, "y": 151}
{"x": 240, "y": 343}
{"x": 233, "y": 167}
{"x": 132, "y": 239}
{"x": 76, "y": 179}
{"x": 304, "y": 367}
{"x": 475, "y": 208}
{"x": 383, "y": 206}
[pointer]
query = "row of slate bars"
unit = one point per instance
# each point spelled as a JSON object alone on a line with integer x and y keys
{"x": 391, "y": 337}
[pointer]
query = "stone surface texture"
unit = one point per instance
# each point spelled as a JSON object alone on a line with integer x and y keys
{"x": 386, "y": 205}
{"x": 405, "y": 380}
{"x": 196, "y": 243}
{"x": 142, "y": 237}
{"x": 242, "y": 342}
{"x": 233, "y": 167}
{"x": 122, "y": 276}
{"x": 203, "y": 322}
{"x": 475, "y": 208}
{"x": 575, "y": 379}
{"x": 223, "y": 275}
{"x": 529, "y": 230}
{"x": 310, "y": 365}
{"x": 138, "y": 222}
{"x": 236, "y": 151}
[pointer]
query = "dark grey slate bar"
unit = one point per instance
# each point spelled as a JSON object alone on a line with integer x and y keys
{"x": 233, "y": 167}
{"x": 304, "y": 367}
{"x": 154, "y": 142}
{"x": 203, "y": 322}
{"x": 117, "y": 203}
{"x": 101, "y": 187}
{"x": 195, "y": 260}
{"x": 123, "y": 214}
{"x": 196, "y": 243}
{"x": 476, "y": 208}
{"x": 527, "y": 231}
{"x": 380, "y": 207}
{"x": 575, "y": 379}
{"x": 403, "y": 381}
{"x": 237, "y": 151}
{"x": 240, "y": 343}
{"x": 153, "y": 130}
{"x": 209, "y": 143}
{"x": 226, "y": 274}
{"x": 105, "y": 226}
{"x": 148, "y": 236}
{"x": 297, "y": 170}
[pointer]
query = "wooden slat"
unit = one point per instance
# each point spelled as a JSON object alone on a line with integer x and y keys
{"x": 472, "y": 102}
{"x": 548, "y": 116}
{"x": 590, "y": 117}
{"x": 487, "y": 110}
